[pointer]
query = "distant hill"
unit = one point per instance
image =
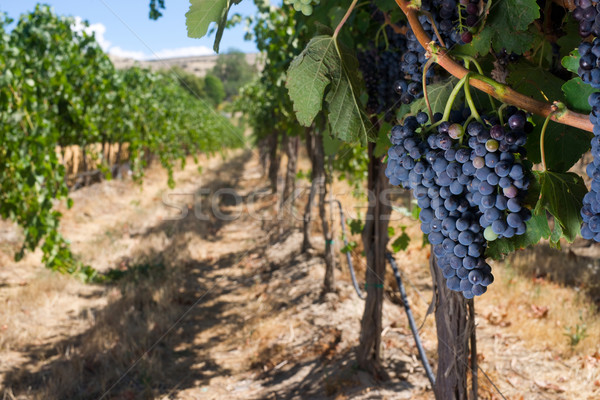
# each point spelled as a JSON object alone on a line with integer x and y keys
{"x": 197, "y": 65}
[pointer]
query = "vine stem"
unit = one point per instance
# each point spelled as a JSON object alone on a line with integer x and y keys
{"x": 543, "y": 136}
{"x": 449, "y": 103}
{"x": 488, "y": 85}
{"x": 343, "y": 21}
{"x": 470, "y": 99}
{"x": 425, "y": 95}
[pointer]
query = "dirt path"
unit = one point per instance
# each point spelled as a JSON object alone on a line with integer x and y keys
{"x": 207, "y": 307}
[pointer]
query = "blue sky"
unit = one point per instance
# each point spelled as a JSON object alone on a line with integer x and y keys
{"x": 123, "y": 28}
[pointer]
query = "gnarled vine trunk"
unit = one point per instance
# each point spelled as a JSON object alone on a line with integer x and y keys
{"x": 454, "y": 325}
{"x": 310, "y": 144}
{"x": 274, "y": 160}
{"x": 290, "y": 145}
{"x": 375, "y": 238}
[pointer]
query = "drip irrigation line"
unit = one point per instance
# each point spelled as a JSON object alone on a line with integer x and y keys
{"x": 359, "y": 293}
{"x": 411, "y": 320}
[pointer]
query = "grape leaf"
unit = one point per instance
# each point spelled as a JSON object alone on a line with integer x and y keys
{"x": 571, "y": 39}
{"x": 327, "y": 69}
{"x": 564, "y": 145}
{"x": 537, "y": 228}
{"x": 507, "y": 27}
{"x": 438, "y": 94}
{"x": 203, "y": 12}
{"x": 576, "y": 95}
{"x": 383, "y": 141}
{"x": 571, "y": 62}
{"x": 562, "y": 195}
{"x": 401, "y": 242}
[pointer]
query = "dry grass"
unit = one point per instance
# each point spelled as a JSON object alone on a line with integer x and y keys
{"x": 543, "y": 313}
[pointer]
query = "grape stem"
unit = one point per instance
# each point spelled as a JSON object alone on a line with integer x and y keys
{"x": 470, "y": 99}
{"x": 501, "y": 92}
{"x": 467, "y": 60}
{"x": 343, "y": 21}
{"x": 543, "y": 136}
{"x": 425, "y": 95}
{"x": 450, "y": 102}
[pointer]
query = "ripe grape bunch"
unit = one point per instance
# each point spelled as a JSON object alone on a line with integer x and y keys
{"x": 590, "y": 212}
{"x": 470, "y": 183}
{"x": 304, "y": 6}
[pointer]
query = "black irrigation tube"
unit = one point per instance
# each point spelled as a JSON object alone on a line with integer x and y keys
{"x": 360, "y": 294}
{"x": 411, "y": 320}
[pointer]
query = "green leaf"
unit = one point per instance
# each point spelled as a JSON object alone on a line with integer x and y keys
{"x": 571, "y": 39}
{"x": 438, "y": 94}
{"x": 562, "y": 196}
{"x": 507, "y": 27}
{"x": 576, "y": 95}
{"x": 571, "y": 62}
{"x": 383, "y": 140}
{"x": 356, "y": 226}
{"x": 349, "y": 247}
{"x": 564, "y": 145}
{"x": 331, "y": 145}
{"x": 203, "y": 12}
{"x": 533, "y": 81}
{"x": 537, "y": 228}
{"x": 327, "y": 70}
{"x": 401, "y": 242}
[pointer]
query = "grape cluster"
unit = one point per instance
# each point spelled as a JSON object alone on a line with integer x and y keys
{"x": 459, "y": 191}
{"x": 590, "y": 212}
{"x": 586, "y": 13}
{"x": 589, "y": 64}
{"x": 304, "y": 6}
{"x": 379, "y": 67}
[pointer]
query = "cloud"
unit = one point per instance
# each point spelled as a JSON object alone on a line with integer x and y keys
{"x": 192, "y": 51}
{"x": 119, "y": 52}
{"x": 99, "y": 29}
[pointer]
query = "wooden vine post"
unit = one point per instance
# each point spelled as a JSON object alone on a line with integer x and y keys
{"x": 375, "y": 238}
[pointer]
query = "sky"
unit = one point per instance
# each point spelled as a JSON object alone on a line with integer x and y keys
{"x": 122, "y": 27}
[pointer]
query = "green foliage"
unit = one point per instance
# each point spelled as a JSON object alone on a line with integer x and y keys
{"x": 215, "y": 91}
{"x": 326, "y": 70}
{"x": 576, "y": 333}
{"x": 438, "y": 93}
{"x": 234, "y": 71}
{"x": 155, "y": 7}
{"x": 576, "y": 95}
{"x": 537, "y": 228}
{"x": 356, "y": 226}
{"x": 561, "y": 194}
{"x": 59, "y": 89}
{"x": 193, "y": 84}
{"x": 401, "y": 242}
{"x": 203, "y": 12}
{"x": 507, "y": 27}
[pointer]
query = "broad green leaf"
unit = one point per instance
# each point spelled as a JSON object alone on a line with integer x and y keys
{"x": 570, "y": 40}
{"x": 326, "y": 70}
{"x": 438, "y": 94}
{"x": 331, "y": 145}
{"x": 576, "y": 95}
{"x": 562, "y": 196}
{"x": 507, "y": 27}
{"x": 537, "y": 228}
{"x": 533, "y": 81}
{"x": 564, "y": 145}
{"x": 571, "y": 62}
{"x": 203, "y": 12}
